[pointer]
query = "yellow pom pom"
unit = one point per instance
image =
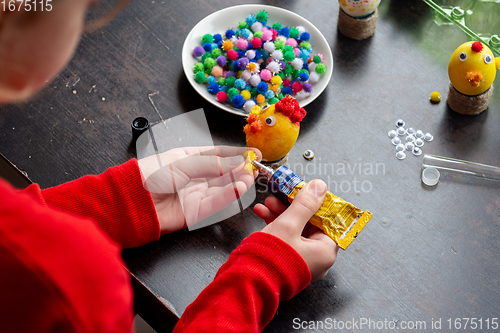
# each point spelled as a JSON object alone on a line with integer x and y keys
{"x": 227, "y": 45}
{"x": 252, "y": 67}
{"x": 249, "y": 156}
{"x": 435, "y": 97}
{"x": 276, "y": 89}
{"x": 256, "y": 109}
{"x": 260, "y": 99}
{"x": 276, "y": 80}
{"x": 246, "y": 95}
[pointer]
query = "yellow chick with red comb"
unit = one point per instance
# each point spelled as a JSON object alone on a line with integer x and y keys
{"x": 275, "y": 129}
{"x": 472, "y": 68}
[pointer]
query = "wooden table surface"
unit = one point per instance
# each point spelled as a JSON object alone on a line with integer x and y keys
{"x": 427, "y": 253}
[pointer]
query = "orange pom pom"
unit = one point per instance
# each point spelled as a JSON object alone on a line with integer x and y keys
{"x": 260, "y": 99}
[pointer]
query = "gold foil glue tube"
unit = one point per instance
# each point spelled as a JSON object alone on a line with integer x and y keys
{"x": 337, "y": 218}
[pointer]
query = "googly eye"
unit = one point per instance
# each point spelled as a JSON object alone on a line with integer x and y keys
{"x": 270, "y": 121}
{"x": 462, "y": 56}
{"x": 488, "y": 59}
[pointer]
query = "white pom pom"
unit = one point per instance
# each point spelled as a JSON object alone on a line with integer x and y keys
{"x": 234, "y": 39}
{"x": 249, "y": 105}
{"x": 277, "y": 55}
{"x": 250, "y": 54}
{"x": 297, "y": 63}
{"x": 269, "y": 47}
{"x": 274, "y": 66}
{"x": 301, "y": 95}
{"x": 282, "y": 38}
{"x": 313, "y": 77}
{"x": 254, "y": 80}
{"x": 312, "y": 66}
{"x": 246, "y": 75}
{"x": 257, "y": 26}
{"x": 301, "y": 29}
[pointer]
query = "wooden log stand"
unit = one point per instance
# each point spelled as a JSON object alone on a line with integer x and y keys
{"x": 357, "y": 28}
{"x": 469, "y": 105}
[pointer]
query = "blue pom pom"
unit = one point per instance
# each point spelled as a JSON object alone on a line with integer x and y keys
{"x": 219, "y": 44}
{"x": 248, "y": 87}
{"x": 304, "y": 54}
{"x": 213, "y": 88}
{"x": 284, "y": 32}
{"x": 258, "y": 55}
{"x": 238, "y": 101}
{"x": 241, "y": 53}
{"x": 269, "y": 94}
{"x": 210, "y": 79}
{"x": 235, "y": 66}
{"x": 262, "y": 87}
{"x": 250, "y": 19}
{"x": 217, "y": 38}
{"x": 303, "y": 77}
{"x": 224, "y": 88}
{"x": 287, "y": 91}
{"x": 207, "y": 47}
{"x": 305, "y": 65}
{"x": 304, "y": 36}
{"x": 240, "y": 84}
{"x": 264, "y": 54}
{"x": 245, "y": 33}
{"x": 229, "y": 33}
{"x": 214, "y": 46}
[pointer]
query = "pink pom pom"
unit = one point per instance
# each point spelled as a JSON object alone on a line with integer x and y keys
{"x": 268, "y": 60}
{"x": 264, "y": 29}
{"x": 321, "y": 56}
{"x": 296, "y": 86}
{"x": 222, "y": 96}
{"x": 242, "y": 43}
{"x": 292, "y": 42}
{"x": 256, "y": 42}
{"x": 232, "y": 54}
{"x": 296, "y": 51}
{"x": 268, "y": 35}
{"x": 266, "y": 75}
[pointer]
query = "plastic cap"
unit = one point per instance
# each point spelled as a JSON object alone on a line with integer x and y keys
{"x": 139, "y": 125}
{"x": 430, "y": 176}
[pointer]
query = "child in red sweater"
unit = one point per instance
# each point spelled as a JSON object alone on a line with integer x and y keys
{"x": 60, "y": 261}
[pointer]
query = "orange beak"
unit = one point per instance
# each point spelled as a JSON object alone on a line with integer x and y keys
{"x": 474, "y": 78}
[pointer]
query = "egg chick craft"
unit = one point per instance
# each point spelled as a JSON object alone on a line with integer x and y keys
{"x": 472, "y": 70}
{"x": 275, "y": 129}
{"x": 358, "y": 18}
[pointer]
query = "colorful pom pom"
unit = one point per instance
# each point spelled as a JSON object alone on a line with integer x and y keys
{"x": 213, "y": 88}
{"x": 477, "y": 47}
{"x": 262, "y": 87}
{"x": 217, "y": 38}
{"x": 229, "y": 33}
{"x": 274, "y": 67}
{"x": 249, "y": 105}
{"x": 240, "y": 84}
{"x": 230, "y": 81}
{"x": 200, "y": 77}
{"x": 250, "y": 54}
{"x": 320, "y": 69}
{"x": 238, "y": 101}
{"x": 198, "y": 51}
{"x": 222, "y": 96}
{"x": 266, "y": 75}
{"x": 207, "y": 47}
{"x": 284, "y": 32}
{"x": 277, "y": 26}
{"x": 262, "y": 15}
{"x": 267, "y": 36}
{"x": 198, "y": 67}
{"x": 216, "y": 71}
{"x": 277, "y": 55}
{"x": 307, "y": 87}
{"x": 291, "y": 42}
{"x": 256, "y": 42}
{"x": 261, "y": 99}
{"x": 232, "y": 54}
{"x": 289, "y": 56}
{"x": 313, "y": 77}
{"x": 305, "y": 36}
{"x": 296, "y": 86}
{"x": 297, "y": 63}
{"x": 207, "y": 38}
{"x": 246, "y": 94}
{"x": 232, "y": 92}
{"x": 227, "y": 45}
{"x": 254, "y": 80}
{"x": 209, "y": 63}
{"x": 242, "y": 43}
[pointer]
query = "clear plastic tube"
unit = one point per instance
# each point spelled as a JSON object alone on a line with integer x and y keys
{"x": 461, "y": 167}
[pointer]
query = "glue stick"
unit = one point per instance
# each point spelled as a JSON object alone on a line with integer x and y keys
{"x": 337, "y": 218}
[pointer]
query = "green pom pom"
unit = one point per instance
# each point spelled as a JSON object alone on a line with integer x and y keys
{"x": 242, "y": 25}
{"x": 279, "y": 44}
{"x": 280, "y": 96}
{"x": 209, "y": 63}
{"x": 288, "y": 48}
{"x": 221, "y": 81}
{"x": 305, "y": 45}
{"x": 317, "y": 59}
{"x": 261, "y": 16}
{"x": 232, "y": 92}
{"x": 198, "y": 67}
{"x": 281, "y": 75}
{"x": 294, "y": 32}
{"x": 295, "y": 73}
{"x": 288, "y": 56}
{"x": 258, "y": 34}
{"x": 254, "y": 92}
{"x": 230, "y": 81}
{"x": 277, "y": 26}
{"x": 273, "y": 100}
{"x": 207, "y": 38}
{"x": 200, "y": 77}
{"x": 216, "y": 52}
{"x": 288, "y": 70}
{"x": 320, "y": 69}
{"x": 303, "y": 71}
{"x": 205, "y": 56}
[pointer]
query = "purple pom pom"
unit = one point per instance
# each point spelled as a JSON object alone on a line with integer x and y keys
{"x": 307, "y": 87}
{"x": 230, "y": 73}
{"x": 198, "y": 51}
{"x": 282, "y": 65}
{"x": 243, "y": 62}
{"x": 221, "y": 61}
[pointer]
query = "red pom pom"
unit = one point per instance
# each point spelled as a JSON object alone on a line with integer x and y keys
{"x": 275, "y": 33}
{"x": 256, "y": 42}
{"x": 477, "y": 47}
{"x": 286, "y": 83}
{"x": 298, "y": 115}
{"x": 222, "y": 96}
{"x": 256, "y": 126}
{"x": 232, "y": 54}
{"x": 296, "y": 86}
{"x": 288, "y": 110}
{"x": 278, "y": 107}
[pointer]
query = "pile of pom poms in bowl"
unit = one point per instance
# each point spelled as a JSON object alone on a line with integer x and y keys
{"x": 256, "y": 64}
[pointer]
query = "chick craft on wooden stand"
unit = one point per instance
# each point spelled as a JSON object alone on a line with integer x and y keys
{"x": 472, "y": 70}
{"x": 274, "y": 130}
{"x": 358, "y": 18}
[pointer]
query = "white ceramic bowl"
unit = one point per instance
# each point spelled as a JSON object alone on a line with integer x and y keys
{"x": 224, "y": 19}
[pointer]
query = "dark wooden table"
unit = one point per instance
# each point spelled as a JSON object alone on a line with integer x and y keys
{"x": 428, "y": 253}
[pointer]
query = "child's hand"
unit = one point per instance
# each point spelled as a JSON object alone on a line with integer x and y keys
{"x": 190, "y": 184}
{"x": 291, "y": 225}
